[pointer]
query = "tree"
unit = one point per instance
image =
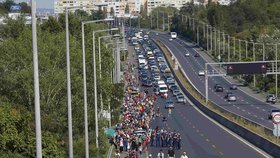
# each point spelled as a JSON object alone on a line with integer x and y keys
{"x": 127, "y": 9}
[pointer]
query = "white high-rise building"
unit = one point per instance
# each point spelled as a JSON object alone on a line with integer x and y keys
{"x": 151, "y": 4}
{"x": 59, "y": 5}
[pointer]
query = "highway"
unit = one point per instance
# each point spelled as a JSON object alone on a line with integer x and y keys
{"x": 245, "y": 105}
{"x": 201, "y": 137}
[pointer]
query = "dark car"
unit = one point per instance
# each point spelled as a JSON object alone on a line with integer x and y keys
{"x": 174, "y": 87}
{"x": 196, "y": 55}
{"x": 169, "y": 104}
{"x": 218, "y": 88}
{"x": 273, "y": 112}
{"x": 147, "y": 83}
{"x": 271, "y": 98}
{"x": 228, "y": 94}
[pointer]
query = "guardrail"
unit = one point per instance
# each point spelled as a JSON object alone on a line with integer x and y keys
{"x": 109, "y": 154}
{"x": 259, "y": 137}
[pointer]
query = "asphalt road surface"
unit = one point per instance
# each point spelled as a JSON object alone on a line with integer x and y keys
{"x": 245, "y": 105}
{"x": 201, "y": 137}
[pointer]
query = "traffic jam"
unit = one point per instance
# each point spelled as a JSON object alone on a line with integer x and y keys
{"x": 151, "y": 94}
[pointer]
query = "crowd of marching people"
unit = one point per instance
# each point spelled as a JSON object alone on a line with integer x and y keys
{"x": 132, "y": 133}
{"x": 163, "y": 138}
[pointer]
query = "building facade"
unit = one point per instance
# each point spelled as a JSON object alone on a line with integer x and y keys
{"x": 151, "y": 4}
{"x": 59, "y": 5}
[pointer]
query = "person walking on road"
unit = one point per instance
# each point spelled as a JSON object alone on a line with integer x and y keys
{"x": 169, "y": 111}
{"x": 171, "y": 153}
{"x": 184, "y": 155}
{"x": 160, "y": 154}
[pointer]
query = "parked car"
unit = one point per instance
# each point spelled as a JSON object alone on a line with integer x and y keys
{"x": 271, "y": 98}
{"x": 273, "y": 112}
{"x": 187, "y": 54}
{"x": 176, "y": 92}
{"x": 180, "y": 98}
{"x": 174, "y": 87}
{"x": 169, "y": 104}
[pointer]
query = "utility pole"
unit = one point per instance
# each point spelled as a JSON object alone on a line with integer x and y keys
{"x": 207, "y": 37}
{"x": 139, "y": 21}
{"x": 246, "y": 49}
{"x": 157, "y": 20}
{"x": 118, "y": 64}
{"x": 276, "y": 70}
{"x": 163, "y": 25}
{"x": 197, "y": 35}
{"x": 151, "y": 21}
{"x": 254, "y": 58}
{"x": 228, "y": 48}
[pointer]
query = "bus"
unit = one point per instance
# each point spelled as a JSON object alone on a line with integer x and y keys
{"x": 173, "y": 35}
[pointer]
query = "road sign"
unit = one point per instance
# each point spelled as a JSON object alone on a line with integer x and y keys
{"x": 276, "y": 119}
{"x": 246, "y": 68}
{"x": 15, "y": 8}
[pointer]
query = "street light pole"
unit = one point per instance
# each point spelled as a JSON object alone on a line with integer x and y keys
{"x": 85, "y": 84}
{"x": 157, "y": 19}
{"x": 95, "y": 83}
{"x": 163, "y": 26}
{"x": 36, "y": 82}
{"x": 69, "y": 102}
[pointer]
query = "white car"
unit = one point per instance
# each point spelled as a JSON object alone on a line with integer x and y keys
{"x": 231, "y": 97}
{"x": 201, "y": 73}
{"x": 187, "y": 54}
{"x": 170, "y": 39}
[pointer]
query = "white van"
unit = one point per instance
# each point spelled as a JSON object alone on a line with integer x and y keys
{"x": 161, "y": 82}
{"x": 162, "y": 88}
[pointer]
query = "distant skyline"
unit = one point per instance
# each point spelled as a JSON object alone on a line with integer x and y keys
{"x": 49, "y": 4}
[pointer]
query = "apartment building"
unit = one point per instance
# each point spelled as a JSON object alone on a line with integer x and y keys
{"x": 59, "y": 5}
{"x": 151, "y": 4}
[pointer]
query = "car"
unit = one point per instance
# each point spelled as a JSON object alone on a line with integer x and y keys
{"x": 180, "y": 98}
{"x": 233, "y": 87}
{"x": 157, "y": 34}
{"x": 170, "y": 39}
{"x": 156, "y": 76}
{"x": 147, "y": 83}
{"x": 176, "y": 92}
{"x": 218, "y": 88}
{"x": 201, "y": 73}
{"x": 227, "y": 94}
{"x": 170, "y": 80}
{"x": 174, "y": 87}
{"x": 187, "y": 54}
{"x": 273, "y": 112}
{"x": 231, "y": 97}
{"x": 271, "y": 98}
{"x": 196, "y": 55}
{"x": 171, "y": 85}
{"x": 169, "y": 104}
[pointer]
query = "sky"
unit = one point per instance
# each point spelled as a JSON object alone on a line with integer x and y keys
{"x": 40, "y": 3}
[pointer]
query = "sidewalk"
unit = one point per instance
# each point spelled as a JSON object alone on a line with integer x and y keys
{"x": 260, "y": 96}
